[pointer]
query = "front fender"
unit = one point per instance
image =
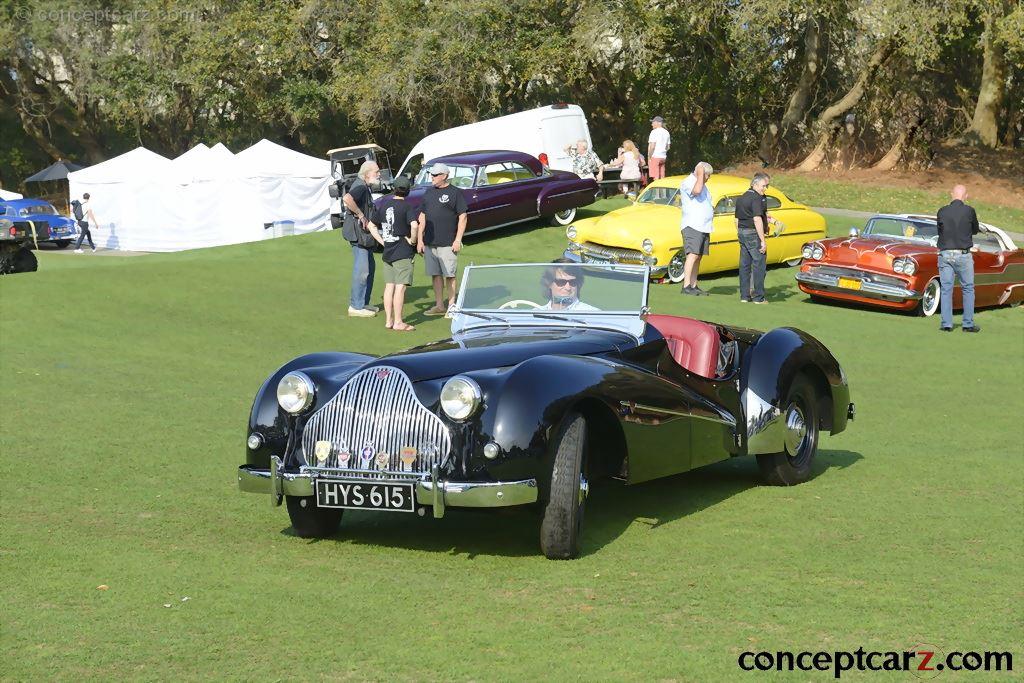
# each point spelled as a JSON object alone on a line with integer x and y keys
{"x": 770, "y": 367}
{"x": 328, "y": 370}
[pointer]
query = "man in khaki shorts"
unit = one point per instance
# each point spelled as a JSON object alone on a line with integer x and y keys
{"x": 442, "y": 223}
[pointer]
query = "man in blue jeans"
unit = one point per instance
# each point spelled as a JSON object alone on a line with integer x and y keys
{"x": 957, "y": 224}
{"x": 358, "y": 204}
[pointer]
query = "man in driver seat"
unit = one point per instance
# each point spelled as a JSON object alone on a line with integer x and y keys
{"x": 562, "y": 288}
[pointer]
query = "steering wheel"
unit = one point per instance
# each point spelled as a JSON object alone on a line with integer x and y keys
{"x": 517, "y": 302}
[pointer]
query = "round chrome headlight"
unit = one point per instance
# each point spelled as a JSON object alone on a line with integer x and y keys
{"x": 254, "y": 441}
{"x": 909, "y": 267}
{"x": 817, "y": 252}
{"x": 897, "y": 265}
{"x": 806, "y": 251}
{"x": 460, "y": 397}
{"x": 295, "y": 392}
{"x": 570, "y": 232}
{"x": 648, "y": 246}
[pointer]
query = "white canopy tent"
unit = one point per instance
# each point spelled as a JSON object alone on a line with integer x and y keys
{"x": 5, "y": 194}
{"x": 205, "y": 197}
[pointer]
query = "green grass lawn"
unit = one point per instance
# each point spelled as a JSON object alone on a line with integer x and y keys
{"x": 125, "y": 390}
{"x": 848, "y": 195}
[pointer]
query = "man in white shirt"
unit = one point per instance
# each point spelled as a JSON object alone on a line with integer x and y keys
{"x": 658, "y": 143}
{"x": 696, "y": 225}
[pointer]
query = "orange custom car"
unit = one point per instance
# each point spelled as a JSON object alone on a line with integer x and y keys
{"x": 893, "y": 263}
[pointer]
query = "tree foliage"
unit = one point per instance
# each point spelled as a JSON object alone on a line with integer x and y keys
{"x": 822, "y": 82}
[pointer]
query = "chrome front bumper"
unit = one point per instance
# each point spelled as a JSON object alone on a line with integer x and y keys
{"x": 578, "y": 254}
{"x": 829, "y": 282}
{"x": 431, "y": 490}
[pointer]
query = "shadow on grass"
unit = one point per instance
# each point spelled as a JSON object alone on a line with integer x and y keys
{"x": 611, "y": 508}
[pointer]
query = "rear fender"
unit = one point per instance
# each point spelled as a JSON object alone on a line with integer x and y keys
{"x": 769, "y": 369}
{"x": 562, "y": 195}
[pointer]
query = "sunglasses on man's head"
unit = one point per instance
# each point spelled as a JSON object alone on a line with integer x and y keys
{"x": 562, "y": 282}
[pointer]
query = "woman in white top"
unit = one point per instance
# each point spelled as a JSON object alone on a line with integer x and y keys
{"x": 629, "y": 161}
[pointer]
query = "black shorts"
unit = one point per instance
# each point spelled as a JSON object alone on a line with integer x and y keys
{"x": 696, "y": 242}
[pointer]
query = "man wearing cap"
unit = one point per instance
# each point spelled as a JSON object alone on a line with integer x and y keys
{"x": 442, "y": 222}
{"x": 658, "y": 143}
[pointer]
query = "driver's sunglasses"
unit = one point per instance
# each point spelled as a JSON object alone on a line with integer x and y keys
{"x": 563, "y": 282}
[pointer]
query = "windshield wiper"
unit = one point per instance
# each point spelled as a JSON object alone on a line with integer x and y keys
{"x": 491, "y": 318}
{"x": 552, "y": 316}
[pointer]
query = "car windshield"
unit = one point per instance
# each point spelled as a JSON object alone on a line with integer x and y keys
{"x": 39, "y": 209}
{"x": 660, "y": 195}
{"x": 600, "y": 295}
{"x": 459, "y": 176}
{"x": 903, "y": 228}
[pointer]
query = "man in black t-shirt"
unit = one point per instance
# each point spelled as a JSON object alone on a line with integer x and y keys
{"x": 442, "y": 222}
{"x": 394, "y": 225}
{"x": 752, "y": 231}
{"x": 957, "y": 223}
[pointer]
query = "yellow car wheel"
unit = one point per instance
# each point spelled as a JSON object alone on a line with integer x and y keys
{"x": 676, "y": 267}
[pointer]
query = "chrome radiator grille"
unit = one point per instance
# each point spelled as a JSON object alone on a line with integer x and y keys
{"x": 377, "y": 409}
{"x": 618, "y": 254}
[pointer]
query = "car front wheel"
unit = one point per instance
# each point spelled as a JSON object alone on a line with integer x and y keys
{"x": 799, "y": 418}
{"x": 563, "y": 514}
{"x": 676, "y": 267}
{"x": 308, "y": 520}
{"x": 564, "y": 217}
{"x": 929, "y": 298}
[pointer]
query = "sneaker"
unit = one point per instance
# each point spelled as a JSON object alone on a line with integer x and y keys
{"x": 692, "y": 291}
{"x": 945, "y": 329}
{"x": 973, "y": 328}
{"x": 79, "y": 251}
{"x": 375, "y": 309}
{"x": 744, "y": 301}
{"x": 94, "y": 250}
{"x": 361, "y": 312}
{"x": 762, "y": 301}
{"x": 700, "y": 292}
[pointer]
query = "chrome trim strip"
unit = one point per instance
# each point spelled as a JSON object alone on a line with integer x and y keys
{"x": 868, "y": 288}
{"x": 720, "y": 419}
{"x": 491, "y": 208}
{"x": 431, "y": 491}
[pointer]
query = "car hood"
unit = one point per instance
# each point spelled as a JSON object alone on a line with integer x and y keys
{"x": 876, "y": 252}
{"x": 628, "y": 226}
{"x": 496, "y": 347}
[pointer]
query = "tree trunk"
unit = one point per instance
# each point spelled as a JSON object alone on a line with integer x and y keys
{"x": 826, "y": 123}
{"x": 813, "y": 54}
{"x": 985, "y": 124}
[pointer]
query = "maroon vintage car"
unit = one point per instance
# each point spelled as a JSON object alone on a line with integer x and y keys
{"x": 893, "y": 263}
{"x": 505, "y": 187}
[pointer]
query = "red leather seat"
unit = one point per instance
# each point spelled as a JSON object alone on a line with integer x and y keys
{"x": 694, "y": 344}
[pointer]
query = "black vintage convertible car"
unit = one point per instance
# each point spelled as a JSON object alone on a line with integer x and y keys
{"x": 555, "y": 375}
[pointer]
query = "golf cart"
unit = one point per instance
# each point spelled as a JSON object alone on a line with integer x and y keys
{"x": 345, "y": 163}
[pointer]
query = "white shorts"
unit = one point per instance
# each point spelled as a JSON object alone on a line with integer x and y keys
{"x": 440, "y": 261}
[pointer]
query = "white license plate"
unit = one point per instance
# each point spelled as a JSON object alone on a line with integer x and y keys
{"x": 366, "y": 495}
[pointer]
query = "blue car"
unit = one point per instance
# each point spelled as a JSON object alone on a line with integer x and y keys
{"x": 61, "y": 230}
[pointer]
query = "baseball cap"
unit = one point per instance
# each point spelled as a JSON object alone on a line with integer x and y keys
{"x": 438, "y": 168}
{"x": 657, "y": 119}
{"x": 402, "y": 183}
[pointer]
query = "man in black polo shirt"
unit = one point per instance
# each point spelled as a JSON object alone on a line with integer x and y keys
{"x": 442, "y": 223}
{"x": 752, "y": 229}
{"x": 957, "y": 223}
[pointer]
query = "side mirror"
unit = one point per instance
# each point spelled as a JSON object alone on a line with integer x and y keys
{"x": 854, "y": 232}
{"x": 334, "y": 189}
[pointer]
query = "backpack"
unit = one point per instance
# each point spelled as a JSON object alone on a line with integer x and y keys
{"x": 76, "y": 207}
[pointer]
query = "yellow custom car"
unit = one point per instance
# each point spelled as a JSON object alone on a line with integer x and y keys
{"x": 648, "y": 231}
